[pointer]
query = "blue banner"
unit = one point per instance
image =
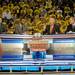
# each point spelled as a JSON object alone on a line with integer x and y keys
{"x": 64, "y": 57}
{"x": 13, "y": 41}
{"x": 69, "y": 40}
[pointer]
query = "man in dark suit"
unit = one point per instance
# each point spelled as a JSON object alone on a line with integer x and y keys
{"x": 3, "y": 28}
{"x": 71, "y": 26}
{"x": 52, "y": 28}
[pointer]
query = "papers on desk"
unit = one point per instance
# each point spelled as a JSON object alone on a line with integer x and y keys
{"x": 70, "y": 32}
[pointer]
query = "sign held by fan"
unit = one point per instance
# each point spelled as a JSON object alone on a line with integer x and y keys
{"x": 38, "y": 45}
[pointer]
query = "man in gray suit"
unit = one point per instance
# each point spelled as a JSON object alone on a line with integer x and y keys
{"x": 21, "y": 28}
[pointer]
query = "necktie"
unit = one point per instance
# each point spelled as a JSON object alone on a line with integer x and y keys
{"x": 51, "y": 29}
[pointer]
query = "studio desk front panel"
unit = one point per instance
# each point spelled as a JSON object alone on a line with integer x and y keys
{"x": 54, "y": 47}
{"x": 18, "y": 51}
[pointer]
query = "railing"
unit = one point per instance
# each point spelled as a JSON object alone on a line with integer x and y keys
{"x": 41, "y": 37}
{"x": 37, "y": 66}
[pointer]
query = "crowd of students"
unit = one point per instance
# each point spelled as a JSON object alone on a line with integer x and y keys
{"x": 33, "y": 16}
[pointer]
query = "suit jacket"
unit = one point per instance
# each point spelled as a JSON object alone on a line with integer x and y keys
{"x": 20, "y": 29}
{"x": 3, "y": 28}
{"x": 70, "y": 28}
{"x": 56, "y": 29}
